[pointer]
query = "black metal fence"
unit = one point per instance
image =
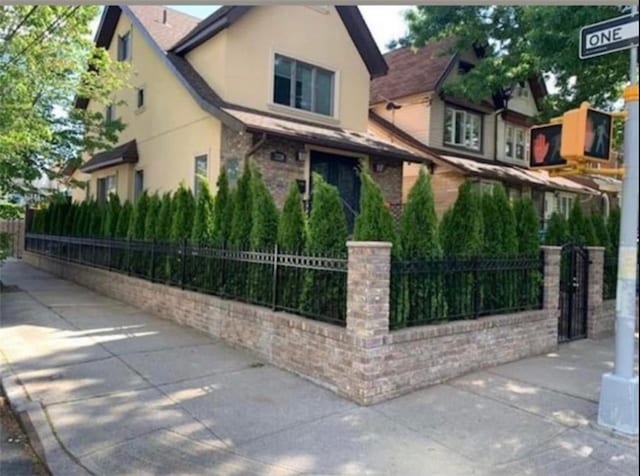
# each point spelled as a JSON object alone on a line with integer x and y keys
{"x": 312, "y": 286}
{"x": 440, "y": 290}
{"x": 610, "y": 276}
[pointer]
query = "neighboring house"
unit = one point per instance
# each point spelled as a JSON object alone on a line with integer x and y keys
{"x": 486, "y": 141}
{"x": 287, "y": 86}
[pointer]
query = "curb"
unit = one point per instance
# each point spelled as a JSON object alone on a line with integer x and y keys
{"x": 34, "y": 421}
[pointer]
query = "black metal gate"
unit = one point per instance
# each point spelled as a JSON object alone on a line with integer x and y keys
{"x": 574, "y": 285}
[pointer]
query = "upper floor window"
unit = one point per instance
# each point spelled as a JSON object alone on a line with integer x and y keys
{"x": 464, "y": 67}
{"x": 515, "y": 143}
{"x": 521, "y": 91}
{"x": 140, "y": 98}
{"x": 109, "y": 113}
{"x": 124, "y": 46}
{"x": 138, "y": 184}
{"x": 463, "y": 128}
{"x": 303, "y": 86}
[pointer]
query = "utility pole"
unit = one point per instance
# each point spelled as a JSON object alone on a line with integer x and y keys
{"x": 618, "y": 407}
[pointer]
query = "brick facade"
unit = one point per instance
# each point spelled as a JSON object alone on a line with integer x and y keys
{"x": 364, "y": 362}
{"x": 279, "y": 175}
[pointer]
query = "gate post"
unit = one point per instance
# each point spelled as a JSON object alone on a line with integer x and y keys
{"x": 596, "y": 285}
{"x": 551, "y": 286}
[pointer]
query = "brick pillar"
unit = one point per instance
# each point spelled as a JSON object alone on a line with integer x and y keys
{"x": 368, "y": 289}
{"x": 551, "y": 288}
{"x": 597, "y": 321}
{"x": 367, "y": 319}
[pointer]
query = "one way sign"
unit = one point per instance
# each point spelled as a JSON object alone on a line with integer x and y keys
{"x": 617, "y": 34}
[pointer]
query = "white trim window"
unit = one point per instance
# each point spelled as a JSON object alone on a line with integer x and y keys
{"x": 124, "y": 46}
{"x": 516, "y": 143}
{"x": 106, "y": 186}
{"x": 565, "y": 204}
{"x": 303, "y": 86}
{"x": 463, "y": 128}
{"x": 200, "y": 167}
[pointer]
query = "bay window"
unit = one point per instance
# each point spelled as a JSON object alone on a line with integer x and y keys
{"x": 515, "y": 143}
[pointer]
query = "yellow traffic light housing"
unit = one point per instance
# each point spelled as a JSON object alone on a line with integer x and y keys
{"x": 586, "y": 134}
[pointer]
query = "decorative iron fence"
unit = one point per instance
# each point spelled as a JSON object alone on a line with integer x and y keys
{"x": 312, "y": 286}
{"x": 440, "y": 290}
{"x": 610, "y": 276}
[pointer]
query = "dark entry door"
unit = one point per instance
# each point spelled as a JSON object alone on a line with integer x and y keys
{"x": 342, "y": 173}
{"x": 574, "y": 273}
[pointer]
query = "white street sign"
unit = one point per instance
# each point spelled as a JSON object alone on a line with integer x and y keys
{"x": 617, "y": 34}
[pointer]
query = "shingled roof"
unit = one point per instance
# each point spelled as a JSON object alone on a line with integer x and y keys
{"x": 126, "y": 153}
{"x": 413, "y": 71}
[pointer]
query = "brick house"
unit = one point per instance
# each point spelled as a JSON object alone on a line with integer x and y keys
{"x": 486, "y": 142}
{"x": 284, "y": 86}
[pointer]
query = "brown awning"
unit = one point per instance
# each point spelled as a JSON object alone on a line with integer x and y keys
{"x": 126, "y": 153}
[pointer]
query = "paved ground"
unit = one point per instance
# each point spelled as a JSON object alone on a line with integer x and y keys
{"x": 130, "y": 393}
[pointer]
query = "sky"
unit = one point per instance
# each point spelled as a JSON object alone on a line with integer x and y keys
{"x": 386, "y": 22}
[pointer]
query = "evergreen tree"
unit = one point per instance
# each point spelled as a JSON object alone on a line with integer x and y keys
{"x": 122, "y": 225}
{"x": 327, "y": 236}
{"x": 163, "y": 231}
{"x": 77, "y": 219}
{"x": 223, "y": 211}
{"x": 240, "y": 235}
{"x": 557, "y": 233}
{"x": 68, "y": 220}
{"x": 182, "y": 211}
{"x": 509, "y": 240}
{"x": 600, "y": 231}
{"x": 463, "y": 235}
{"x": 264, "y": 216}
{"x": 576, "y": 225}
{"x": 97, "y": 219}
{"x": 111, "y": 216}
{"x": 202, "y": 230}
{"x": 418, "y": 240}
{"x": 527, "y": 227}
{"x": 138, "y": 217}
{"x": 613, "y": 227}
{"x": 87, "y": 225}
{"x": 152, "y": 218}
{"x": 292, "y": 229}
{"x": 374, "y": 222}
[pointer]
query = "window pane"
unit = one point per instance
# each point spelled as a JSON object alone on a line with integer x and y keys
{"x": 282, "y": 81}
{"x": 520, "y": 144}
{"x": 448, "y": 126}
{"x": 476, "y": 129}
{"x": 140, "y": 97}
{"x": 324, "y": 92}
{"x": 459, "y": 128}
{"x": 200, "y": 170}
{"x": 303, "y": 87}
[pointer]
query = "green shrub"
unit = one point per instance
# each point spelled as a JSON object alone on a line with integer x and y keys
{"x": 374, "y": 222}
{"x": 111, "y": 216}
{"x": 223, "y": 212}
{"x": 67, "y": 228}
{"x": 138, "y": 217}
{"x": 600, "y": 231}
{"x": 241, "y": 225}
{"x": 163, "y": 231}
{"x": 122, "y": 225}
{"x": 527, "y": 227}
{"x": 152, "y": 217}
{"x": 580, "y": 228}
{"x": 292, "y": 229}
{"x": 613, "y": 227}
{"x": 182, "y": 211}
{"x": 557, "y": 233}
{"x": 418, "y": 240}
{"x": 463, "y": 234}
{"x": 264, "y": 216}
{"x": 202, "y": 230}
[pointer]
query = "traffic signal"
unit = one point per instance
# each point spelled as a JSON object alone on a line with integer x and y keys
{"x": 545, "y": 146}
{"x": 586, "y": 134}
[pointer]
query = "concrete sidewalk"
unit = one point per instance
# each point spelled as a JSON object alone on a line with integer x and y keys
{"x": 125, "y": 392}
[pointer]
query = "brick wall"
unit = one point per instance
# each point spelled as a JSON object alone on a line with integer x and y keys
{"x": 364, "y": 362}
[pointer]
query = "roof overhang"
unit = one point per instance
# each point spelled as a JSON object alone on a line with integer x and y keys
{"x": 126, "y": 153}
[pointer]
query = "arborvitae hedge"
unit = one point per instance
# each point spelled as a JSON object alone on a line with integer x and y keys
{"x": 613, "y": 227}
{"x": 152, "y": 217}
{"x": 265, "y": 215}
{"x": 577, "y": 225}
{"x": 527, "y": 227}
{"x": 223, "y": 211}
{"x": 182, "y": 211}
{"x": 463, "y": 235}
{"x": 292, "y": 229}
{"x": 97, "y": 218}
{"x": 202, "y": 230}
{"x": 417, "y": 240}
{"x": 91, "y": 212}
{"x": 600, "y": 229}
{"x": 68, "y": 219}
{"x": 557, "y": 233}
{"x": 138, "y": 217}
{"x": 163, "y": 231}
{"x": 374, "y": 222}
{"x": 122, "y": 226}
{"x": 111, "y": 216}
{"x": 240, "y": 235}
{"x": 327, "y": 223}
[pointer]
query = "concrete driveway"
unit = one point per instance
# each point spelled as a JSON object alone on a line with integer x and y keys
{"x": 125, "y": 392}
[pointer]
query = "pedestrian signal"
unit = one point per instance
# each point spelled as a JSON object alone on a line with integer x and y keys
{"x": 586, "y": 134}
{"x": 545, "y": 146}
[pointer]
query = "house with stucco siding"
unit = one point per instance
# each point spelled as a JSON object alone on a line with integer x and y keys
{"x": 286, "y": 87}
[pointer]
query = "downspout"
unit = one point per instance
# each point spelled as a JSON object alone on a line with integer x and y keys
{"x": 254, "y": 148}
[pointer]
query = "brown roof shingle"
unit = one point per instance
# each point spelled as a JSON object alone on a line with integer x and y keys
{"x": 413, "y": 71}
{"x": 167, "y": 34}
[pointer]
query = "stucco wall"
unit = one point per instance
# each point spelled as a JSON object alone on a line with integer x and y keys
{"x": 239, "y": 62}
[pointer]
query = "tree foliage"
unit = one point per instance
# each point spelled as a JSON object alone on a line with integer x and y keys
{"x": 122, "y": 225}
{"x": 111, "y": 216}
{"x": 600, "y": 230}
{"x": 518, "y": 42}
{"x": 163, "y": 231}
{"x": 138, "y": 217}
{"x": 374, "y": 222}
{"x": 327, "y": 223}
{"x": 613, "y": 226}
{"x": 202, "y": 230}
{"x": 557, "y": 233}
{"x": 240, "y": 234}
{"x": 527, "y": 227}
{"x": 46, "y": 58}
{"x": 292, "y": 228}
{"x": 223, "y": 211}
{"x": 264, "y": 216}
{"x": 152, "y": 217}
{"x": 463, "y": 234}
{"x": 182, "y": 211}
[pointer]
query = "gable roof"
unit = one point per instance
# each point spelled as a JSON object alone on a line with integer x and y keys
{"x": 226, "y": 16}
{"x": 413, "y": 71}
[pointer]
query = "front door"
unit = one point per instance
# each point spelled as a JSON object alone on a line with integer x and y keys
{"x": 574, "y": 272}
{"x": 341, "y": 172}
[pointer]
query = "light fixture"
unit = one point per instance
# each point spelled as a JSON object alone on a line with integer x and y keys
{"x": 301, "y": 155}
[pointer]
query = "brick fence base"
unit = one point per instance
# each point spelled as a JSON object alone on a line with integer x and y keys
{"x": 365, "y": 370}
